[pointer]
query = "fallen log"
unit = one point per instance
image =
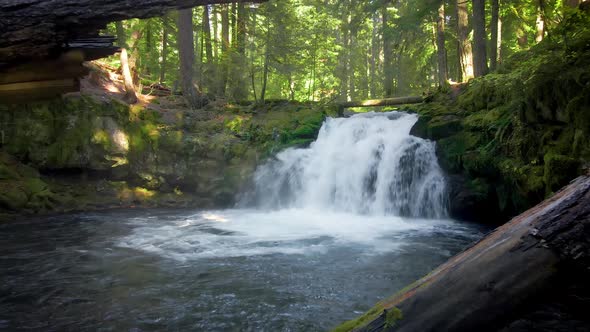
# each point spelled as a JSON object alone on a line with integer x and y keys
{"x": 382, "y": 102}
{"x": 506, "y": 276}
{"x": 43, "y": 29}
{"x": 30, "y": 91}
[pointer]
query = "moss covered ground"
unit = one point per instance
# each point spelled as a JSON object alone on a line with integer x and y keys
{"x": 94, "y": 151}
{"x": 519, "y": 134}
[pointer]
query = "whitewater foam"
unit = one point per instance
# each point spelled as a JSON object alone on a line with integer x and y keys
{"x": 354, "y": 186}
{"x": 366, "y": 164}
{"x": 247, "y": 232}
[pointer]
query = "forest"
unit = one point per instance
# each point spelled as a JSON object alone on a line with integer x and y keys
{"x": 295, "y": 165}
{"x": 331, "y": 50}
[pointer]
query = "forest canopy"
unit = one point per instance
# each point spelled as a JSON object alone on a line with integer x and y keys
{"x": 312, "y": 50}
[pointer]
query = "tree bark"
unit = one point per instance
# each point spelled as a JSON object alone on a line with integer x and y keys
{"x": 121, "y": 35}
{"x": 186, "y": 52}
{"x": 163, "y": 63}
{"x": 234, "y": 25}
{"x": 266, "y": 62}
{"x": 463, "y": 44}
{"x": 207, "y": 35}
{"x": 440, "y": 46}
{"x": 239, "y": 84}
{"x": 495, "y": 33}
{"x": 480, "y": 65}
{"x": 533, "y": 258}
{"x": 149, "y": 45}
{"x": 382, "y": 102}
{"x": 540, "y": 24}
{"x": 387, "y": 53}
{"x": 209, "y": 72}
{"x": 39, "y": 29}
{"x": 344, "y": 54}
{"x": 130, "y": 95}
{"x": 351, "y": 70}
{"x": 215, "y": 40}
{"x": 375, "y": 49}
{"x": 572, "y": 3}
{"x": 251, "y": 50}
{"x": 225, "y": 46}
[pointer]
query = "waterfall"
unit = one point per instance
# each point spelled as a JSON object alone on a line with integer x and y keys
{"x": 366, "y": 164}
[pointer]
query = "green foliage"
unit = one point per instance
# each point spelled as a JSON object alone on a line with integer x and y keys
{"x": 392, "y": 317}
{"x": 360, "y": 321}
{"x": 523, "y": 129}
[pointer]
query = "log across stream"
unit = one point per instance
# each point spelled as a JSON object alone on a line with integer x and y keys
{"x": 529, "y": 274}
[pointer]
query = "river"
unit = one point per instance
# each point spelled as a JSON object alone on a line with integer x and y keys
{"x": 325, "y": 233}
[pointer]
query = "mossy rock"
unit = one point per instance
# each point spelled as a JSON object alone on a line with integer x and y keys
{"x": 7, "y": 172}
{"x": 443, "y": 126}
{"x": 12, "y": 196}
{"x": 451, "y": 150}
{"x": 559, "y": 170}
{"x": 392, "y": 316}
{"x": 420, "y": 128}
{"x": 34, "y": 186}
{"x": 306, "y": 131}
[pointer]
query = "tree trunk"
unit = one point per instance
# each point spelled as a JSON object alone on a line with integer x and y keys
{"x": 266, "y": 62}
{"x": 572, "y": 3}
{"x": 224, "y": 69}
{"x": 383, "y": 102}
{"x": 207, "y": 35}
{"x": 130, "y": 95}
{"x": 480, "y": 65}
{"x": 463, "y": 44}
{"x": 540, "y": 24}
{"x": 533, "y": 268}
{"x": 149, "y": 45}
{"x": 400, "y": 82}
{"x": 313, "y": 73}
{"x": 495, "y": 33}
{"x": 163, "y": 63}
{"x": 215, "y": 40}
{"x": 234, "y": 25}
{"x": 240, "y": 91}
{"x": 351, "y": 70}
{"x": 344, "y": 55}
{"x": 186, "y": 50}
{"x": 440, "y": 46}
{"x": 387, "y": 53}
{"x": 375, "y": 49}
{"x": 134, "y": 57}
{"x": 499, "y": 41}
{"x": 121, "y": 35}
{"x": 251, "y": 51}
{"x": 35, "y": 30}
{"x": 209, "y": 72}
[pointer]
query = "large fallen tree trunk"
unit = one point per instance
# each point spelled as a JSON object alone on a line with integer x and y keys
{"x": 382, "y": 102}
{"x": 42, "y": 29}
{"x": 494, "y": 285}
{"x": 43, "y": 43}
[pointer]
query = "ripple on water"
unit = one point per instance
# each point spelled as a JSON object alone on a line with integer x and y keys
{"x": 291, "y": 270}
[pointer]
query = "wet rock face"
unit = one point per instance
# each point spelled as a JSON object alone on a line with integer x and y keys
{"x": 98, "y": 152}
{"x": 468, "y": 198}
{"x": 86, "y": 138}
{"x": 21, "y": 187}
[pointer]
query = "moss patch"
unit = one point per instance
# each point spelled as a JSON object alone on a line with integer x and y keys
{"x": 524, "y": 128}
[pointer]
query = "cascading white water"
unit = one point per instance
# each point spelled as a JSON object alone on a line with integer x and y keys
{"x": 366, "y": 164}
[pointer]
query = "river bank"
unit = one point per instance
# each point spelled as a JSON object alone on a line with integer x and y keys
{"x": 91, "y": 150}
